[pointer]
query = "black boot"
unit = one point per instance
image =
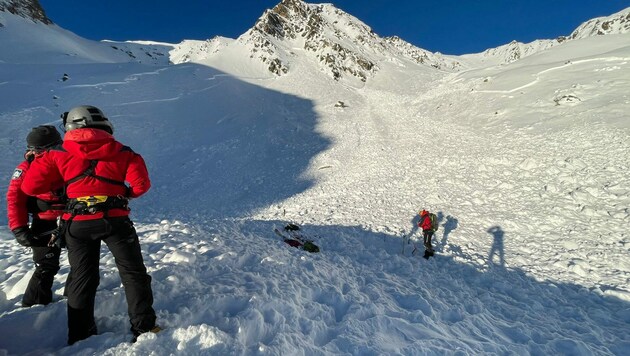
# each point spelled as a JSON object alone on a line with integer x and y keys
{"x": 81, "y": 324}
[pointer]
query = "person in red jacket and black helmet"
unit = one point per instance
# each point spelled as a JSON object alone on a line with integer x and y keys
{"x": 94, "y": 167}
{"x": 44, "y": 209}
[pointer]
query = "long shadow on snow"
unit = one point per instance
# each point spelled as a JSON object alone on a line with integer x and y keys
{"x": 471, "y": 305}
{"x": 498, "y": 247}
{"x": 344, "y": 299}
{"x": 215, "y": 146}
{"x": 221, "y": 147}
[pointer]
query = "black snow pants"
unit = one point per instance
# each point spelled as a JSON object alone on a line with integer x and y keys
{"x": 83, "y": 240}
{"x": 428, "y": 235}
{"x": 39, "y": 289}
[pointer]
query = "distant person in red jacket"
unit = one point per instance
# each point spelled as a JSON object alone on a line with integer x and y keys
{"x": 44, "y": 210}
{"x": 94, "y": 167}
{"x": 428, "y": 229}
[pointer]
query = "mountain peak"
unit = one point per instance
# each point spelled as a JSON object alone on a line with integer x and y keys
{"x": 342, "y": 45}
{"x": 275, "y": 22}
{"x": 28, "y": 9}
{"x": 613, "y": 24}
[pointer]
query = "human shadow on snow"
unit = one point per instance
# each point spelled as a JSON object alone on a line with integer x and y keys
{"x": 450, "y": 223}
{"x": 414, "y": 225}
{"x": 447, "y": 223}
{"x": 528, "y": 315}
{"x": 497, "y": 248}
{"x": 358, "y": 283}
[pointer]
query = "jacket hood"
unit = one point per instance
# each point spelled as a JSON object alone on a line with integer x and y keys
{"x": 91, "y": 144}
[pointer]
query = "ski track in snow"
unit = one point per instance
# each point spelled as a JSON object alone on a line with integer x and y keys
{"x": 539, "y": 76}
{"x": 500, "y": 180}
{"x": 532, "y": 196}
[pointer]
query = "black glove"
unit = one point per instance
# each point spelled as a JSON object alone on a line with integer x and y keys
{"x": 57, "y": 239}
{"x": 24, "y": 236}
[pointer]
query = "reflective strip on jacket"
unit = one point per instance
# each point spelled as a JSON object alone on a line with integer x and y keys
{"x": 18, "y": 202}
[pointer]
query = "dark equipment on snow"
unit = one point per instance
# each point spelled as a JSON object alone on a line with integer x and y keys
{"x": 291, "y": 227}
{"x": 310, "y": 247}
{"x": 296, "y": 239}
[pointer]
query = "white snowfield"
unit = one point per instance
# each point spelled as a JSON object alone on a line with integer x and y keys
{"x": 526, "y": 164}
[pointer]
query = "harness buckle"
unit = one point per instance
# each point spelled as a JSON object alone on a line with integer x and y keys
{"x": 96, "y": 203}
{"x": 92, "y": 200}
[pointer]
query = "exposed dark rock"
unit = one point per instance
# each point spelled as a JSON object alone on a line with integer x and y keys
{"x": 29, "y": 9}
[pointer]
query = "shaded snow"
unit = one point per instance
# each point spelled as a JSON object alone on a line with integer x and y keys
{"x": 531, "y": 187}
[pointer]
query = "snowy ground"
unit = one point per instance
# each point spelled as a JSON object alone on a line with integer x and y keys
{"x": 526, "y": 164}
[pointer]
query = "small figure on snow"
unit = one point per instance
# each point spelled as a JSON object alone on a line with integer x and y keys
{"x": 429, "y": 224}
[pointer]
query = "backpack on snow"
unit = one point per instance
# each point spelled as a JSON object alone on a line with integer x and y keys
{"x": 296, "y": 239}
{"x": 307, "y": 245}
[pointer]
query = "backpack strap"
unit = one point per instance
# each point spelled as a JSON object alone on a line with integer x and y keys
{"x": 89, "y": 172}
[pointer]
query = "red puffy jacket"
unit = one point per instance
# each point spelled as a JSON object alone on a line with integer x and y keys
{"x": 425, "y": 222}
{"x": 19, "y": 205}
{"x": 81, "y": 146}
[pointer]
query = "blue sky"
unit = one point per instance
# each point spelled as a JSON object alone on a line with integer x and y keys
{"x": 447, "y": 26}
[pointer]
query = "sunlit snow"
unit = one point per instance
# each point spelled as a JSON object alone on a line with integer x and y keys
{"x": 526, "y": 164}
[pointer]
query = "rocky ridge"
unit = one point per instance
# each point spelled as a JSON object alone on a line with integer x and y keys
{"x": 29, "y": 9}
{"x": 613, "y": 24}
{"x": 343, "y": 45}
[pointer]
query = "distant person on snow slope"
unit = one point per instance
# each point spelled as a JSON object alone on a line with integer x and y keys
{"x": 94, "y": 167}
{"x": 428, "y": 224}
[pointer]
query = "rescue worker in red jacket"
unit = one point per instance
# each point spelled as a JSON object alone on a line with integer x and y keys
{"x": 427, "y": 231}
{"x": 94, "y": 167}
{"x": 44, "y": 210}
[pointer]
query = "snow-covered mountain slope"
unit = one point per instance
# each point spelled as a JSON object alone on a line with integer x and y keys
{"x": 28, "y": 9}
{"x": 525, "y": 163}
{"x": 338, "y": 44}
{"x": 613, "y": 24}
{"x": 343, "y": 47}
{"x": 508, "y": 53}
{"x": 29, "y": 42}
{"x": 618, "y": 23}
{"x": 196, "y": 51}
{"x": 579, "y": 70}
